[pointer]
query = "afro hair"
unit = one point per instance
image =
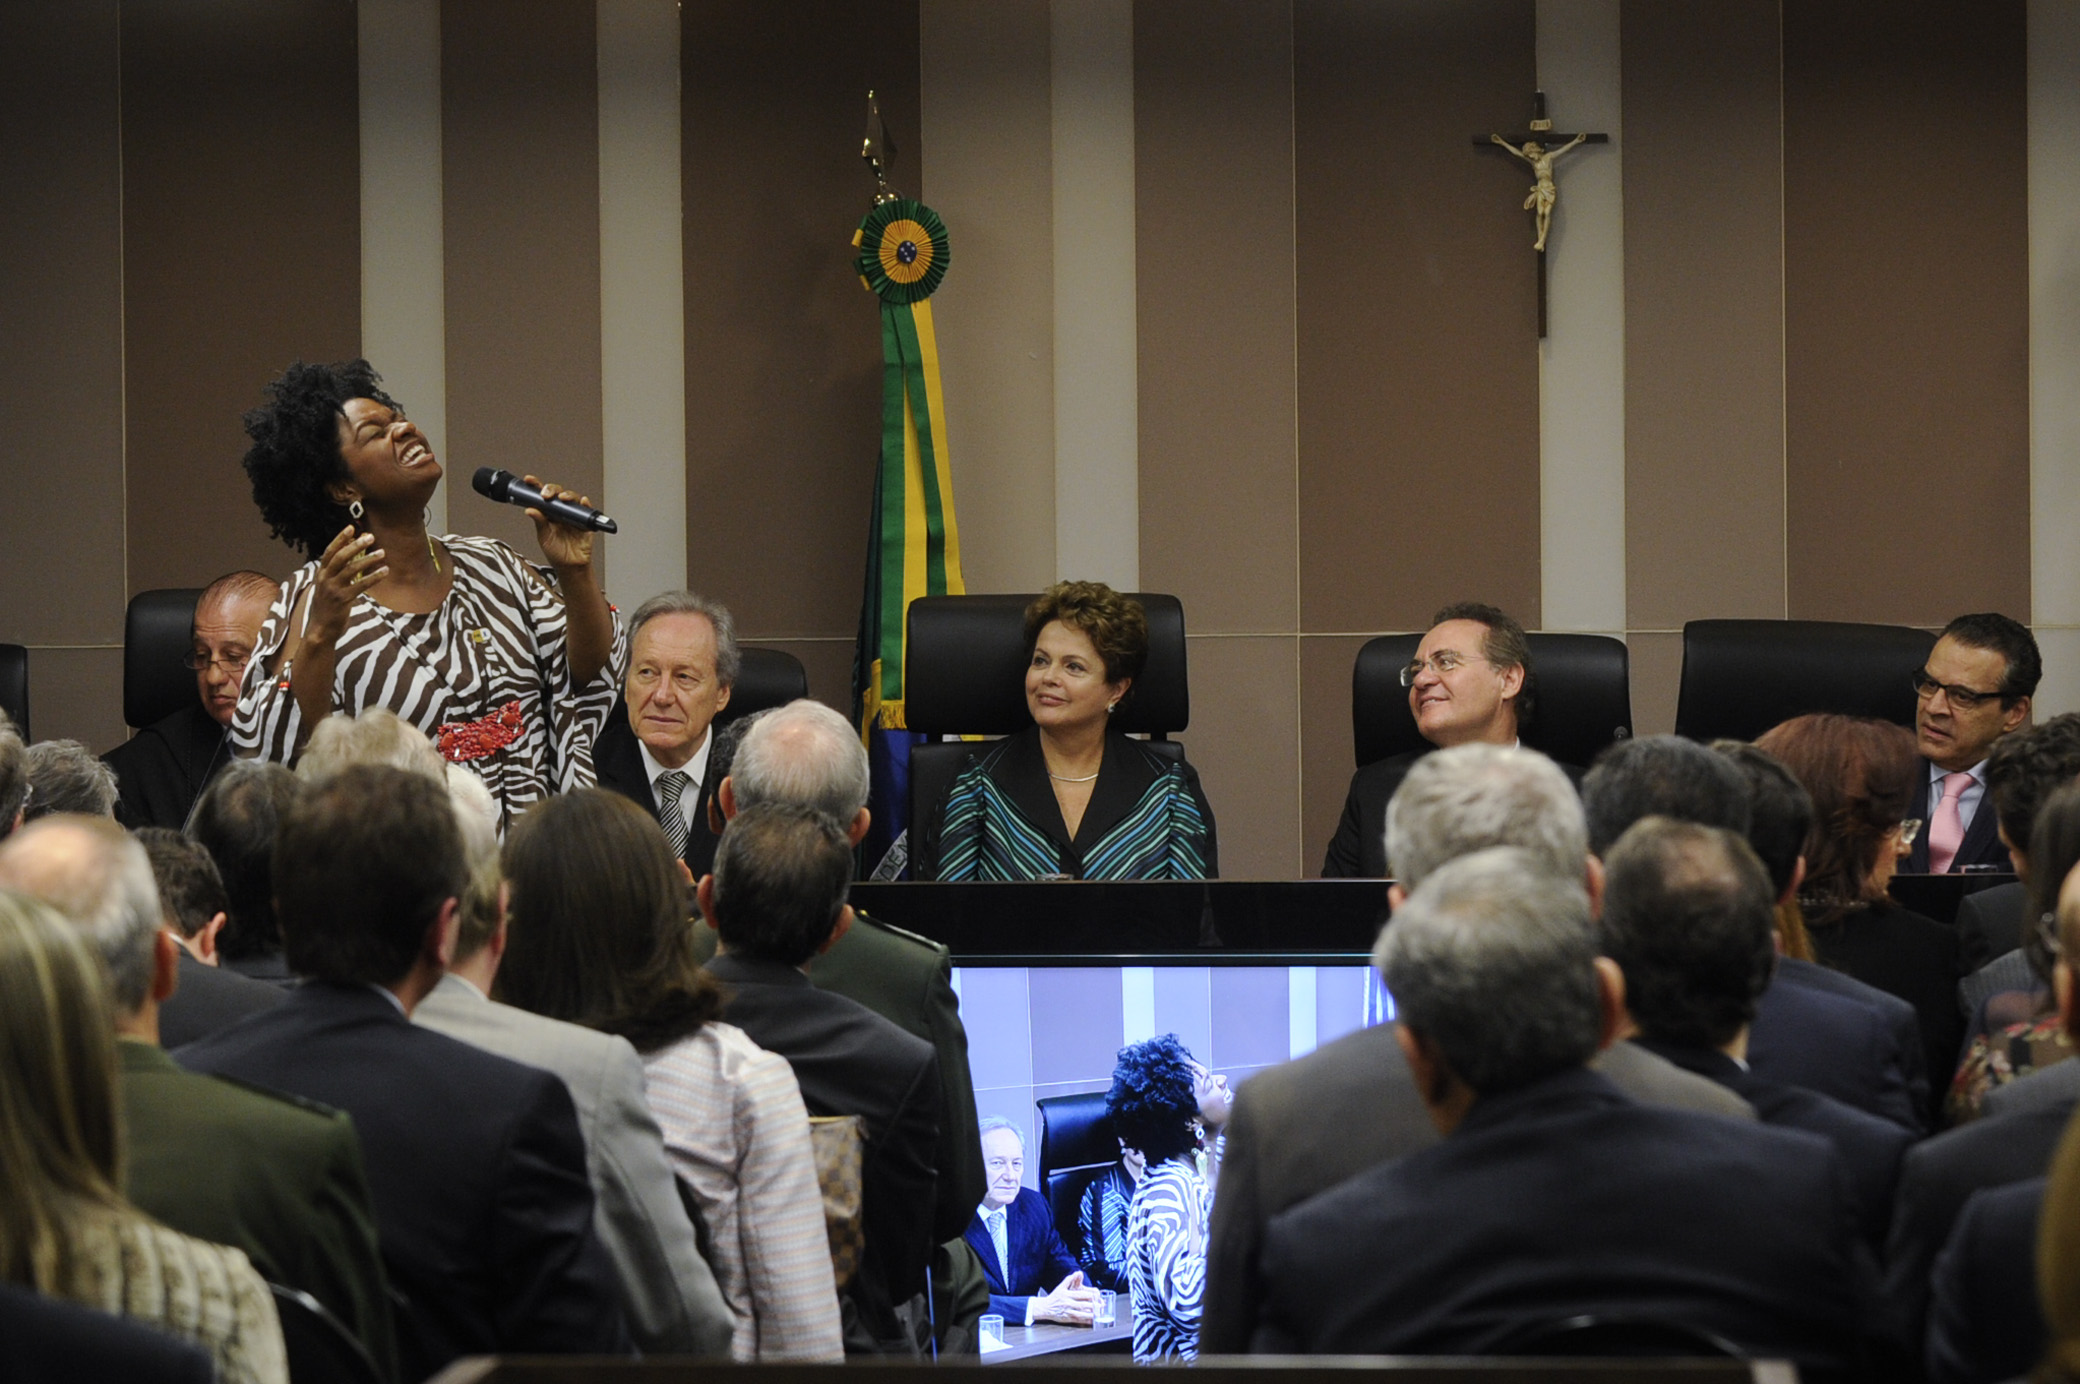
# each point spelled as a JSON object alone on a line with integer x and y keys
{"x": 1154, "y": 1100}
{"x": 295, "y": 453}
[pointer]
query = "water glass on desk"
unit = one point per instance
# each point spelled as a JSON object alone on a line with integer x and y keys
{"x": 992, "y": 1332}
{"x": 1108, "y": 1307}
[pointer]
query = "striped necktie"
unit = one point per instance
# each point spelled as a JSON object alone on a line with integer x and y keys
{"x": 671, "y": 784}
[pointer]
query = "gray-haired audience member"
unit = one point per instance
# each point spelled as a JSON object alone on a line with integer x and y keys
{"x": 64, "y": 776}
{"x": 806, "y": 754}
{"x": 1826, "y": 1043}
{"x": 236, "y": 820}
{"x": 221, "y": 1162}
{"x": 375, "y": 735}
{"x": 14, "y": 777}
{"x": 193, "y": 905}
{"x": 1013, "y": 1233}
{"x": 1473, "y": 1245}
{"x": 1280, "y": 1149}
{"x": 1689, "y": 914}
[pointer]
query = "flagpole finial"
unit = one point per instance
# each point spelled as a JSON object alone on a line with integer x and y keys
{"x": 879, "y": 151}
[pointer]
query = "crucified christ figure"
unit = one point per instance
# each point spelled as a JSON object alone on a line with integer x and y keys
{"x": 1544, "y": 193}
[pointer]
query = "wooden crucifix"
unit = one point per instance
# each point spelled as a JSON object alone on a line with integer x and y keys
{"x": 1539, "y": 147}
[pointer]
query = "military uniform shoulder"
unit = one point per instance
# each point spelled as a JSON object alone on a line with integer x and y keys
{"x": 281, "y": 1101}
{"x": 902, "y": 934}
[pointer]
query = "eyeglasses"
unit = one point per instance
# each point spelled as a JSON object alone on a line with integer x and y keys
{"x": 1440, "y": 663}
{"x": 1908, "y": 830}
{"x": 196, "y": 662}
{"x": 1963, "y": 698}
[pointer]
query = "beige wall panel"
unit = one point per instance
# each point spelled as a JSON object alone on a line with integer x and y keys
{"x": 829, "y": 665}
{"x": 520, "y": 216}
{"x": 1325, "y": 741}
{"x": 783, "y": 347}
{"x": 1417, "y": 312}
{"x": 1245, "y": 742}
{"x": 1657, "y": 674}
{"x": 1906, "y": 309}
{"x": 241, "y": 253}
{"x": 77, "y": 694}
{"x": 1213, "y": 115}
{"x": 986, "y": 126}
{"x": 61, "y": 350}
{"x": 1704, "y": 314}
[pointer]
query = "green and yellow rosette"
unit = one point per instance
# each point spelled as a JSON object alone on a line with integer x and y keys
{"x": 903, "y": 251}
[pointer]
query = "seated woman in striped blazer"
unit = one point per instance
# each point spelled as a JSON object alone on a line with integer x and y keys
{"x": 1068, "y": 796}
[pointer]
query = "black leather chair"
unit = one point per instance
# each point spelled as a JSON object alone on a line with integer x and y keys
{"x": 14, "y": 687}
{"x": 964, "y": 674}
{"x": 768, "y": 678}
{"x": 1617, "y": 1338}
{"x": 1740, "y": 677}
{"x": 1076, "y": 1147}
{"x": 1583, "y": 688}
{"x": 321, "y": 1349}
{"x": 158, "y": 632}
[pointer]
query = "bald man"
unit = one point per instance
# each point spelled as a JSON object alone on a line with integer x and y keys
{"x": 162, "y": 769}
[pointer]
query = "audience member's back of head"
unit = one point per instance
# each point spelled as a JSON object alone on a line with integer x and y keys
{"x": 1860, "y": 772}
{"x": 1469, "y": 797}
{"x": 236, "y": 821}
{"x": 599, "y": 932}
{"x": 64, "y": 776}
{"x": 2026, "y": 768}
{"x": 1661, "y": 776}
{"x": 1688, "y": 915}
{"x": 363, "y": 864}
{"x": 191, "y": 892}
{"x": 2054, "y": 852}
{"x": 58, "y": 1130}
{"x": 1780, "y": 811}
{"x": 2058, "y": 1259}
{"x": 782, "y": 872}
{"x": 1492, "y": 960}
{"x": 804, "y": 754}
{"x": 14, "y": 775}
{"x": 97, "y": 875}
{"x": 375, "y": 736}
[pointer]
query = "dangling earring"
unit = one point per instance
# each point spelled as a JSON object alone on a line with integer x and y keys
{"x": 355, "y": 510}
{"x": 1111, "y": 707}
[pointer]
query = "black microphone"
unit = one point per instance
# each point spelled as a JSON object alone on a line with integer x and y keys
{"x": 509, "y": 489}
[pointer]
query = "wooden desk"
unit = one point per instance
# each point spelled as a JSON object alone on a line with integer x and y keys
{"x": 1050, "y": 1338}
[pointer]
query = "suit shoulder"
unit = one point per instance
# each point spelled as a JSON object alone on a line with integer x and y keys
{"x": 254, "y": 1105}
{"x": 900, "y": 942}
{"x": 1356, "y": 1062}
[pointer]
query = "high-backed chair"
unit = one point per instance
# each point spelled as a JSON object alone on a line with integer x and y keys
{"x": 964, "y": 674}
{"x": 1583, "y": 689}
{"x": 1076, "y": 1147}
{"x": 768, "y": 678}
{"x": 14, "y": 686}
{"x": 158, "y": 632}
{"x": 1740, "y": 677}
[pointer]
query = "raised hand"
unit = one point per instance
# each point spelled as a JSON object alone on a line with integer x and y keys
{"x": 563, "y": 545}
{"x": 350, "y": 565}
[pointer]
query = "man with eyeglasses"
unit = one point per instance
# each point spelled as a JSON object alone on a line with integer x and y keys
{"x": 162, "y": 769}
{"x": 1470, "y": 683}
{"x": 1974, "y": 689}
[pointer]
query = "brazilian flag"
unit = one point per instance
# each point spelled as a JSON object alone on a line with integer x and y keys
{"x": 913, "y": 544}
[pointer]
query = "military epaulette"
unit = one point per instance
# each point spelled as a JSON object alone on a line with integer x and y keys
{"x": 908, "y": 936}
{"x": 287, "y": 1098}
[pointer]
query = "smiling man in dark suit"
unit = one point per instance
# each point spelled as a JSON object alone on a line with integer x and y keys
{"x": 475, "y": 1163}
{"x": 683, "y": 661}
{"x": 1974, "y": 689}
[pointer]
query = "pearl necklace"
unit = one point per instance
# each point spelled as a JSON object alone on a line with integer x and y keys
{"x": 1064, "y": 778}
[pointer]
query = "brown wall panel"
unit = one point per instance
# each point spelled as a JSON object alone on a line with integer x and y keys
{"x": 783, "y": 347}
{"x": 1325, "y": 741}
{"x": 1704, "y": 315}
{"x": 1417, "y": 312}
{"x": 520, "y": 211}
{"x": 1213, "y": 174}
{"x": 1906, "y": 309}
{"x": 61, "y": 350}
{"x": 1657, "y": 674}
{"x": 241, "y": 253}
{"x": 1245, "y": 742}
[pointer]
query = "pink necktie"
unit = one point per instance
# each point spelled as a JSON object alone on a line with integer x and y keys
{"x": 1946, "y": 828}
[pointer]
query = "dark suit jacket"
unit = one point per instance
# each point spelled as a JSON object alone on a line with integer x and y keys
{"x": 1940, "y": 1175}
{"x": 1870, "y": 1149}
{"x": 162, "y": 769}
{"x": 617, "y": 757}
{"x": 476, "y": 1167}
{"x": 848, "y": 1060}
{"x": 1564, "y": 1198}
{"x": 1904, "y": 954}
{"x": 1280, "y": 1149}
{"x": 210, "y": 998}
{"x": 1841, "y": 1046}
{"x": 1358, "y": 850}
{"x": 1982, "y": 838}
{"x": 1984, "y": 1323}
{"x": 1989, "y": 924}
{"x": 278, "y": 1178}
{"x": 1039, "y": 1259}
{"x": 45, "y": 1341}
